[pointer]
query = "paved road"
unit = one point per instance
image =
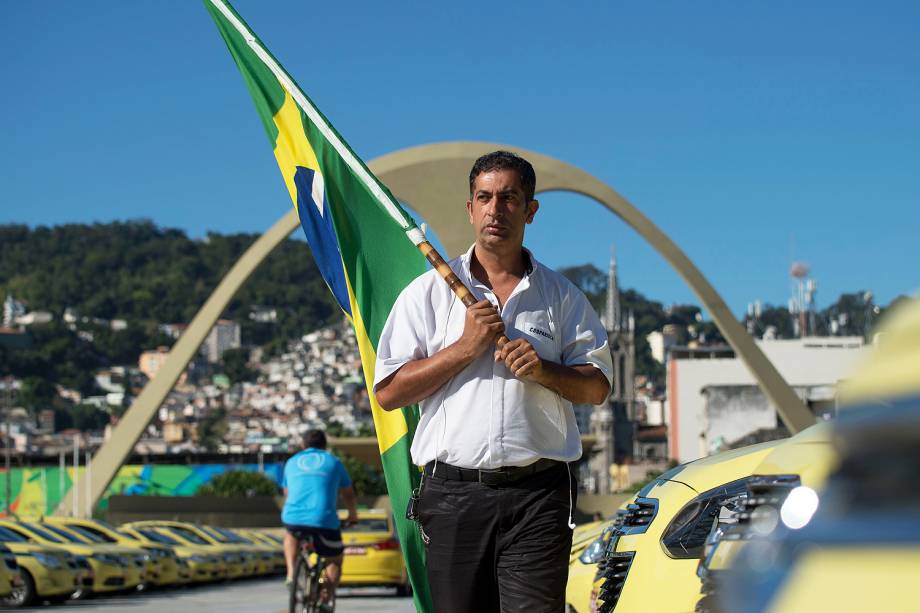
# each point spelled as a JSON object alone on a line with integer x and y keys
{"x": 254, "y": 596}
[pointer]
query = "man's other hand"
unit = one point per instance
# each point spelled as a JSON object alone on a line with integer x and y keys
{"x": 521, "y": 359}
{"x": 482, "y": 326}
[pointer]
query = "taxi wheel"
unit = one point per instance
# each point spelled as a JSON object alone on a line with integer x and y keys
{"x": 22, "y": 595}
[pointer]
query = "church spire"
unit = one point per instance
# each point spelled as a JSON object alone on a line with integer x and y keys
{"x": 613, "y": 315}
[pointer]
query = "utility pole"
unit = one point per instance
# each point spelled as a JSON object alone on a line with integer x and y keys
{"x": 75, "y": 509}
{"x": 62, "y": 470}
{"x": 9, "y": 485}
{"x": 88, "y": 480}
{"x": 44, "y": 492}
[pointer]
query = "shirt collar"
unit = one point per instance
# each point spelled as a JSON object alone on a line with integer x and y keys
{"x": 468, "y": 256}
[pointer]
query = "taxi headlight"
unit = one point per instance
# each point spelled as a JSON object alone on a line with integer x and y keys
{"x": 197, "y": 558}
{"x": 686, "y": 535}
{"x": 594, "y": 552}
{"x": 48, "y": 560}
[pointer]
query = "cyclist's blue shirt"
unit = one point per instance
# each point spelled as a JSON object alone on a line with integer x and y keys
{"x": 313, "y": 478}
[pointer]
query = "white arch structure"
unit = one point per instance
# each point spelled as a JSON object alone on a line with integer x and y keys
{"x": 432, "y": 179}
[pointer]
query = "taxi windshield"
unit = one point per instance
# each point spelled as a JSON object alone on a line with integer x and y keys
{"x": 45, "y": 534}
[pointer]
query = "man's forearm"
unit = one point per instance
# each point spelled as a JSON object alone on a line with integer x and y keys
{"x": 351, "y": 503}
{"x": 581, "y": 384}
{"x": 419, "y": 379}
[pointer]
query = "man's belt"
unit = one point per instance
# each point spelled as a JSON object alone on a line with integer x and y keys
{"x": 493, "y": 476}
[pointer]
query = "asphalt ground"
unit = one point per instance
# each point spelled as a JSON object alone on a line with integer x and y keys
{"x": 248, "y": 596}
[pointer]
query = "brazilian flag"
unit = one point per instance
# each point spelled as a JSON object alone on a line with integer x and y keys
{"x": 361, "y": 239}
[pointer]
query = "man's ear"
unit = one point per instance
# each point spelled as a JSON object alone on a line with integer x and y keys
{"x": 469, "y": 210}
{"x": 532, "y": 207}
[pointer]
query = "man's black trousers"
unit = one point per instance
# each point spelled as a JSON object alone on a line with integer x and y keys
{"x": 498, "y": 547}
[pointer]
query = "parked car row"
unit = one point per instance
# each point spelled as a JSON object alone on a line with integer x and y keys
{"x": 802, "y": 524}
{"x": 58, "y": 558}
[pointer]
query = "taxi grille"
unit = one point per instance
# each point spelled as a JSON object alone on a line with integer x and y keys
{"x": 611, "y": 546}
{"x": 639, "y": 514}
{"x": 615, "y": 573}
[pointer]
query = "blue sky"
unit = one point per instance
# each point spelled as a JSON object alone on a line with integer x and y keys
{"x": 751, "y": 132}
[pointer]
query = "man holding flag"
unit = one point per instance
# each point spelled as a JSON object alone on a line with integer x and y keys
{"x": 497, "y": 429}
{"x": 368, "y": 250}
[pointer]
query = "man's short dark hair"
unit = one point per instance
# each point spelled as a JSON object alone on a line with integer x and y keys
{"x": 315, "y": 439}
{"x": 505, "y": 160}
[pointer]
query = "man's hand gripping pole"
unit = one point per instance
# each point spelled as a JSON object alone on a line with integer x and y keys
{"x": 456, "y": 285}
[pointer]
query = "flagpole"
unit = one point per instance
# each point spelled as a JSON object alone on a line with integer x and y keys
{"x": 453, "y": 281}
{"x": 413, "y": 233}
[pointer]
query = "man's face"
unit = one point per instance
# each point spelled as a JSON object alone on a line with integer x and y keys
{"x": 499, "y": 208}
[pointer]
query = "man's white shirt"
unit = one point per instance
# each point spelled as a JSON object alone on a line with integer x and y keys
{"x": 485, "y": 417}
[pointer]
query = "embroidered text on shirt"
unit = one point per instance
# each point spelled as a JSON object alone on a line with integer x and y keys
{"x": 541, "y": 333}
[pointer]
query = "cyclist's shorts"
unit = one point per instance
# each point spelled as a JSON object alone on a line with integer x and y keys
{"x": 328, "y": 542}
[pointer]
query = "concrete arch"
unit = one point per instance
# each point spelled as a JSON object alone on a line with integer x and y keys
{"x": 433, "y": 180}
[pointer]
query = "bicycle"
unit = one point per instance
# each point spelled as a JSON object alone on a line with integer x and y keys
{"x": 307, "y": 584}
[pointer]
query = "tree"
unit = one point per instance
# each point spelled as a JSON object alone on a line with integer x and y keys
{"x": 590, "y": 280}
{"x": 36, "y": 394}
{"x": 212, "y": 428}
{"x": 239, "y": 484}
{"x": 89, "y": 418}
{"x": 236, "y": 365}
{"x": 366, "y": 480}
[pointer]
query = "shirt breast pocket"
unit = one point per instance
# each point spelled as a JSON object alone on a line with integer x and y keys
{"x": 536, "y": 329}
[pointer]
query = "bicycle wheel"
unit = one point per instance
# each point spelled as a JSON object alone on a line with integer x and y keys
{"x": 302, "y": 587}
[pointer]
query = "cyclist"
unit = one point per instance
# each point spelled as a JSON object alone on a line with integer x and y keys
{"x": 313, "y": 479}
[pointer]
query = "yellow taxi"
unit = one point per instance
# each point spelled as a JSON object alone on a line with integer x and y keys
{"x": 804, "y": 460}
{"x": 855, "y": 546}
{"x": 197, "y": 563}
{"x": 114, "y": 568}
{"x": 162, "y": 566}
{"x": 263, "y": 558}
{"x": 183, "y": 571}
{"x": 652, "y": 559}
{"x": 47, "y": 573}
{"x": 9, "y": 572}
{"x": 272, "y": 550}
{"x": 262, "y": 536}
{"x": 238, "y": 561}
{"x": 588, "y": 545}
{"x": 272, "y": 540}
{"x": 372, "y": 553}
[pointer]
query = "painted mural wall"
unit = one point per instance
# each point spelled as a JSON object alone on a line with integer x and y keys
{"x": 37, "y": 491}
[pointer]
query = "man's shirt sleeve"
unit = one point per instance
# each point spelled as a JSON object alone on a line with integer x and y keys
{"x": 402, "y": 339}
{"x": 584, "y": 337}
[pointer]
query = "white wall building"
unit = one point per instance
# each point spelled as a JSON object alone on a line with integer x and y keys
{"x": 224, "y": 335}
{"x": 714, "y": 401}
